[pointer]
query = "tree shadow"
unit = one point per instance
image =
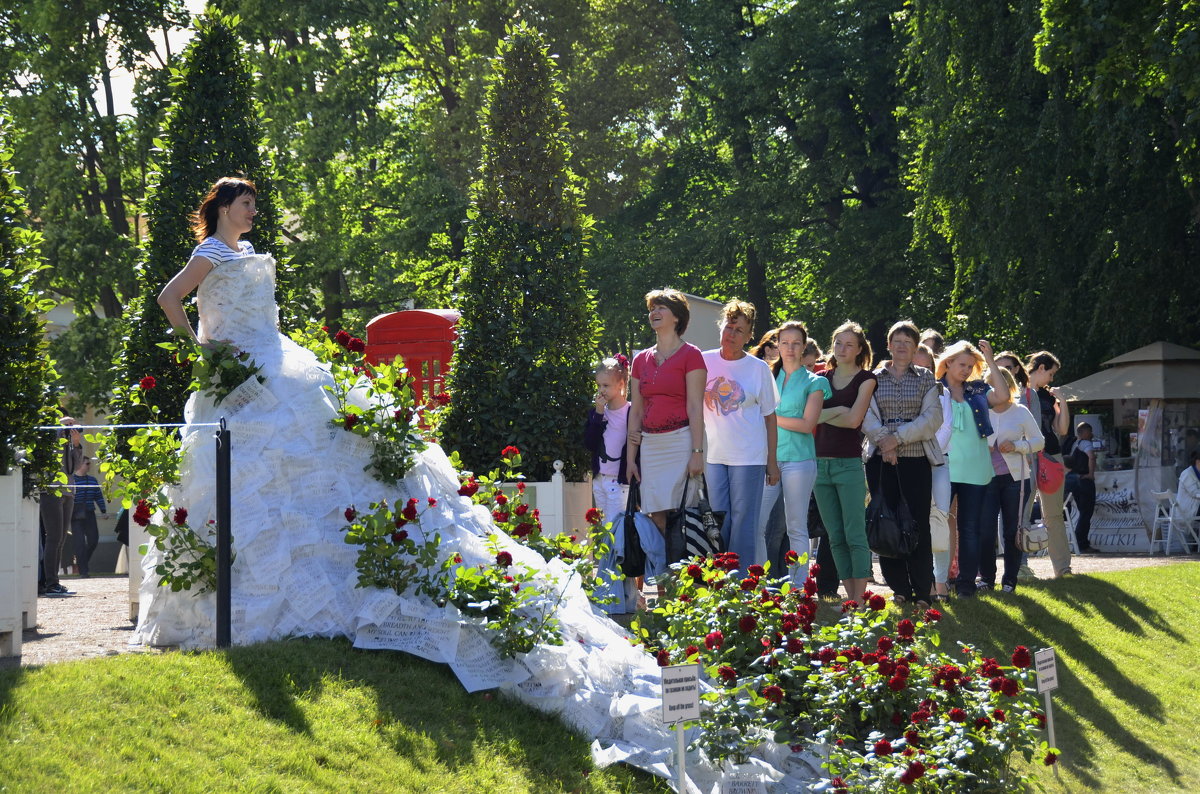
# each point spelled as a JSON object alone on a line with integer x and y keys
{"x": 1115, "y": 604}
{"x": 986, "y": 625}
{"x": 421, "y": 710}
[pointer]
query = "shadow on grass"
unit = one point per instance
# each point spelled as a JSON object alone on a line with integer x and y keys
{"x": 982, "y": 622}
{"x": 421, "y": 710}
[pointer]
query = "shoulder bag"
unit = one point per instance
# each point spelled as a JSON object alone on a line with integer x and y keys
{"x": 694, "y": 531}
{"x": 633, "y": 558}
{"x": 891, "y": 530}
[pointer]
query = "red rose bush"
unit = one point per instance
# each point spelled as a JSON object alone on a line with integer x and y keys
{"x": 872, "y": 694}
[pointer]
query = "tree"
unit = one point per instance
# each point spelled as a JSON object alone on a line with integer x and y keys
{"x": 212, "y": 130}
{"x": 26, "y": 372}
{"x": 527, "y": 336}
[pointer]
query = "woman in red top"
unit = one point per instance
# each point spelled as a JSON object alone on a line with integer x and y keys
{"x": 667, "y": 417}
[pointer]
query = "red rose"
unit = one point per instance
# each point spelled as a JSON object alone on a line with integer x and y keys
{"x": 795, "y": 645}
{"x": 350, "y": 513}
{"x": 403, "y": 415}
{"x": 664, "y": 657}
{"x": 912, "y": 737}
{"x": 141, "y": 514}
{"x": 520, "y": 487}
{"x": 400, "y": 521}
{"x": 791, "y": 558}
{"x": 932, "y": 615}
{"x": 919, "y": 716}
{"x": 897, "y": 683}
{"x": 814, "y": 570}
{"x": 810, "y": 587}
{"x": 1051, "y": 759}
{"x": 749, "y": 583}
{"x": 877, "y": 603}
{"x": 906, "y": 629}
{"x": 714, "y": 640}
{"x": 457, "y": 558}
{"x": 885, "y": 644}
{"x": 592, "y": 516}
{"x": 148, "y": 382}
{"x": 691, "y": 651}
{"x": 356, "y": 345}
{"x": 1041, "y": 719}
{"x": 1021, "y": 657}
{"x": 1010, "y": 688}
{"x": 849, "y": 605}
{"x": 398, "y": 537}
{"x": 468, "y": 488}
{"x": 510, "y": 452}
{"x": 504, "y": 559}
{"x": 342, "y": 338}
{"x": 500, "y": 516}
{"x": 432, "y": 502}
{"x": 349, "y": 421}
{"x": 914, "y": 772}
{"x": 883, "y": 747}
{"x": 957, "y": 715}
{"x": 838, "y": 784}
{"x": 772, "y": 693}
{"x": 441, "y": 398}
{"x": 727, "y": 673}
{"x": 990, "y": 667}
{"x": 522, "y": 509}
{"x": 180, "y": 515}
{"x": 523, "y": 529}
{"x": 826, "y": 655}
{"x": 756, "y": 570}
{"x": 747, "y": 624}
{"x": 501, "y": 499}
{"x": 409, "y": 512}
{"x": 998, "y": 715}
{"x": 982, "y": 723}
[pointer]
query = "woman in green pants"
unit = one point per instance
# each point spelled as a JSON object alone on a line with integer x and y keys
{"x": 841, "y": 488}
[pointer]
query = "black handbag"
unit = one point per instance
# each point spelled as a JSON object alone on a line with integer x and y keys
{"x": 891, "y": 529}
{"x": 694, "y": 531}
{"x": 633, "y": 561}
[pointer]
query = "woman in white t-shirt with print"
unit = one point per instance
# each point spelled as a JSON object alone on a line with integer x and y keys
{"x": 740, "y": 432}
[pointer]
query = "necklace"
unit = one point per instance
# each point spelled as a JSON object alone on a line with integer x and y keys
{"x": 660, "y": 356}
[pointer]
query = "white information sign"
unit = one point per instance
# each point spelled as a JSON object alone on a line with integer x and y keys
{"x": 680, "y": 693}
{"x": 1047, "y": 670}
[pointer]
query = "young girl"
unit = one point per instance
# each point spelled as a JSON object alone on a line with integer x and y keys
{"x": 605, "y": 436}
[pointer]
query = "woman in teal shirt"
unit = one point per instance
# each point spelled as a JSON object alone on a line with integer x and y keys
{"x": 801, "y": 396}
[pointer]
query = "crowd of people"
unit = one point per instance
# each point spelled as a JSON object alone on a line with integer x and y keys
{"x": 955, "y": 432}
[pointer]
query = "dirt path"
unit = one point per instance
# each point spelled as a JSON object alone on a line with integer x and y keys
{"x": 95, "y": 621}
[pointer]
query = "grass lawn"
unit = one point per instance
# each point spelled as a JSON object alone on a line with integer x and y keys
{"x": 1127, "y": 712}
{"x": 304, "y": 715}
{"x": 318, "y": 715}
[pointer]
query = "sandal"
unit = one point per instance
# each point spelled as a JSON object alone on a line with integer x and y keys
{"x": 899, "y": 600}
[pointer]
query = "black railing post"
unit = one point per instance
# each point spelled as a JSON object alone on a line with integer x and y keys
{"x": 224, "y": 555}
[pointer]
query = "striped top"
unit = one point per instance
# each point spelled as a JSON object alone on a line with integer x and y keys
{"x": 88, "y": 493}
{"x": 218, "y": 253}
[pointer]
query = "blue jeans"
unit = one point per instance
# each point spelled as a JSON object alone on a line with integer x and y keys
{"x": 797, "y": 478}
{"x": 737, "y": 490}
{"x": 970, "y": 533}
{"x": 1003, "y": 495}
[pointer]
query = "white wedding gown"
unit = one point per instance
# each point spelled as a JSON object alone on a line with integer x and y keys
{"x": 293, "y": 476}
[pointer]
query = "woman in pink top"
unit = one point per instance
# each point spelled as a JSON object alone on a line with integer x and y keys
{"x": 667, "y": 418}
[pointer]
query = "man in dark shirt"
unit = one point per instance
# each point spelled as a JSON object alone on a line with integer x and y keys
{"x": 83, "y": 519}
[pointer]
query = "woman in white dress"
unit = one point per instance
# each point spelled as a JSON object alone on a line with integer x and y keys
{"x": 293, "y": 475}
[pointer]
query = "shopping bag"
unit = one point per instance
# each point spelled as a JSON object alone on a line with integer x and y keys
{"x": 694, "y": 531}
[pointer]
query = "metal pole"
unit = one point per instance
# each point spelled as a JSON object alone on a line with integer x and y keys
{"x": 224, "y": 557}
{"x": 680, "y": 759}
{"x": 1050, "y": 725}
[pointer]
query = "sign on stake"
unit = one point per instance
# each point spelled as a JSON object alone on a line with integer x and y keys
{"x": 1046, "y": 666}
{"x": 680, "y": 702}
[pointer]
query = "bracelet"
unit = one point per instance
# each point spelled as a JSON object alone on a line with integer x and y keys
{"x": 697, "y": 450}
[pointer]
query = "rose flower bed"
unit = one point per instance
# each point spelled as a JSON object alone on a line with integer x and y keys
{"x": 870, "y": 692}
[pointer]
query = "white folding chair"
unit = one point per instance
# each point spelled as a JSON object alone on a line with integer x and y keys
{"x": 1186, "y": 526}
{"x": 1160, "y": 532}
{"x": 1071, "y": 520}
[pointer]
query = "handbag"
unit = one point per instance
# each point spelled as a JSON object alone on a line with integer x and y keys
{"x": 891, "y": 530}
{"x": 1050, "y": 474}
{"x": 1031, "y": 537}
{"x": 633, "y": 558}
{"x": 694, "y": 531}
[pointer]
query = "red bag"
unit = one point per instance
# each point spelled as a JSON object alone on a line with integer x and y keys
{"x": 1050, "y": 473}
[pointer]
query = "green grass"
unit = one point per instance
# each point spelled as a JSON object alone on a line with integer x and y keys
{"x": 318, "y": 715}
{"x": 304, "y": 715}
{"x": 1127, "y": 711}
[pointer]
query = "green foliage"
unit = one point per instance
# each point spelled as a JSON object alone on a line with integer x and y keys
{"x": 212, "y": 130}
{"x": 27, "y": 373}
{"x": 528, "y": 328}
{"x": 218, "y": 368}
{"x": 83, "y": 354}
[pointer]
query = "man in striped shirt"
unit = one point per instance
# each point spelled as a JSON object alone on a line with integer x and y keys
{"x": 83, "y": 520}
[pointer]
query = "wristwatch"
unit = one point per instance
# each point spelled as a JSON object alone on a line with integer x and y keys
{"x": 697, "y": 450}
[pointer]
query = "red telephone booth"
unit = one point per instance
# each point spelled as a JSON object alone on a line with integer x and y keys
{"x": 423, "y": 337}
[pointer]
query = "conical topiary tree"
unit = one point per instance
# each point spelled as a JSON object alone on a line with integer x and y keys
{"x": 522, "y": 372}
{"x": 26, "y": 371}
{"x": 211, "y": 130}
